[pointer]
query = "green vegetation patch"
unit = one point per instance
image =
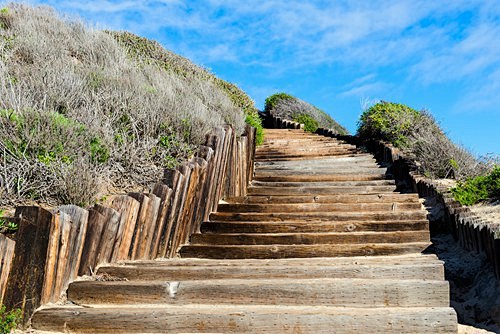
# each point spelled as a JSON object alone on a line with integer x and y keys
{"x": 419, "y": 136}
{"x": 9, "y": 320}
{"x": 479, "y": 188}
{"x": 289, "y": 107}
{"x": 388, "y": 121}
{"x": 310, "y": 124}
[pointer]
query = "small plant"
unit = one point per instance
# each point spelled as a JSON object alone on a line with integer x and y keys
{"x": 5, "y": 226}
{"x": 9, "y": 320}
{"x": 479, "y": 188}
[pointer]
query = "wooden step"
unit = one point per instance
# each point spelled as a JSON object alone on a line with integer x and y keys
{"x": 346, "y": 183}
{"x": 346, "y": 198}
{"x": 360, "y": 158}
{"x": 302, "y": 157}
{"x": 308, "y": 238}
{"x": 318, "y": 207}
{"x": 319, "y": 216}
{"x": 299, "y": 251}
{"x": 431, "y": 270}
{"x": 319, "y": 177}
{"x": 314, "y": 226}
{"x": 284, "y": 191}
{"x": 247, "y": 319}
{"x": 352, "y": 292}
{"x": 310, "y": 145}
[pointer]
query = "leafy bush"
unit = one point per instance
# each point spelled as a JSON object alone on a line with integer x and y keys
{"x": 310, "y": 124}
{"x": 289, "y": 107}
{"x": 255, "y": 121}
{"x": 388, "y": 121}
{"x": 419, "y": 135}
{"x": 9, "y": 320}
{"x": 86, "y": 112}
{"x": 479, "y": 188}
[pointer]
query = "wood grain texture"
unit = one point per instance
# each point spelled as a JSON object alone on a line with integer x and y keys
{"x": 27, "y": 275}
{"x": 248, "y": 319}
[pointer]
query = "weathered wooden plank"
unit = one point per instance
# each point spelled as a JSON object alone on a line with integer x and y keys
{"x": 186, "y": 221}
{"x": 319, "y": 207}
{"x": 58, "y": 258}
{"x": 58, "y": 220}
{"x": 345, "y": 198}
{"x": 332, "y": 190}
{"x": 247, "y": 319}
{"x": 200, "y": 201}
{"x": 181, "y": 193}
{"x": 207, "y": 154}
{"x": 327, "y": 226}
{"x": 309, "y": 238}
{"x": 7, "y": 247}
{"x": 108, "y": 238}
{"x": 351, "y": 292}
{"x": 154, "y": 272}
{"x": 175, "y": 180}
{"x": 128, "y": 207}
{"x": 319, "y": 216}
{"x": 165, "y": 194}
{"x": 146, "y": 225}
{"x": 411, "y": 258}
{"x": 318, "y": 176}
{"x": 286, "y": 251}
{"x": 77, "y": 237}
{"x": 96, "y": 222}
{"x": 24, "y": 288}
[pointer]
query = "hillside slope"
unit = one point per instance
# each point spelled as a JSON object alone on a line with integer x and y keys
{"x": 289, "y": 107}
{"x": 84, "y": 112}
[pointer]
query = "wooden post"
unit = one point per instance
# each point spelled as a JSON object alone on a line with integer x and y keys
{"x": 56, "y": 256}
{"x": 27, "y": 275}
{"x": 165, "y": 195}
{"x": 7, "y": 246}
{"x": 186, "y": 170}
{"x": 79, "y": 223}
{"x": 146, "y": 223}
{"x": 128, "y": 207}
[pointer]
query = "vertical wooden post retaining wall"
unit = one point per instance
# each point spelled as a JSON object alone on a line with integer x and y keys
{"x": 52, "y": 248}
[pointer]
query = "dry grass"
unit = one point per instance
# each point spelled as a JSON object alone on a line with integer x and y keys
{"x": 80, "y": 114}
{"x": 289, "y": 107}
{"x": 418, "y": 134}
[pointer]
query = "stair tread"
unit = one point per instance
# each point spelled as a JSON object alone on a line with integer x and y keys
{"x": 245, "y": 318}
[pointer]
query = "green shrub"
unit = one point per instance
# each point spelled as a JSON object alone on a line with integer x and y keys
{"x": 388, "y": 121}
{"x": 9, "y": 320}
{"x": 310, "y": 124}
{"x": 479, "y": 188}
{"x": 419, "y": 136}
{"x": 255, "y": 121}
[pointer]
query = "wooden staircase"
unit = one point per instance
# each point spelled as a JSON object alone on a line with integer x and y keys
{"x": 321, "y": 244}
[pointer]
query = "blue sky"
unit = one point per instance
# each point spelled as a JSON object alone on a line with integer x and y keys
{"x": 443, "y": 56}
